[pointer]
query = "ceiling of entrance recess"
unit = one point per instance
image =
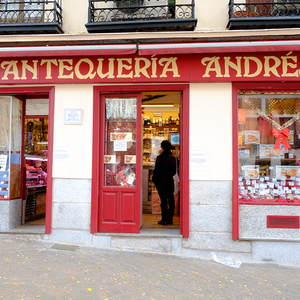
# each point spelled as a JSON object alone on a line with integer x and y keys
{"x": 161, "y": 97}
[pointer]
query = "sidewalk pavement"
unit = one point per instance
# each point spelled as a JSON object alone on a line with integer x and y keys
{"x": 39, "y": 269}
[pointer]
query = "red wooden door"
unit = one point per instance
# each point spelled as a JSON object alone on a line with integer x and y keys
{"x": 120, "y": 163}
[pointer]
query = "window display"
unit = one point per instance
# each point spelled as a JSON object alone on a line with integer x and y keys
{"x": 269, "y": 148}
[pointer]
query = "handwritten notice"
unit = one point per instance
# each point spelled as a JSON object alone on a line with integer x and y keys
{"x": 120, "y": 146}
{"x": 198, "y": 161}
{"x": 61, "y": 156}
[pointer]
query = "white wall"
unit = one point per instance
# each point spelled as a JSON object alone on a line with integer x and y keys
{"x": 211, "y": 15}
{"x": 75, "y": 140}
{"x": 75, "y": 16}
{"x": 211, "y": 129}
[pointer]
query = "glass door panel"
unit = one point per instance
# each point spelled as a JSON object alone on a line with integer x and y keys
{"x": 120, "y": 148}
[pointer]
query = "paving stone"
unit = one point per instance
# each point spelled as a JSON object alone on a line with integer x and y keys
{"x": 39, "y": 269}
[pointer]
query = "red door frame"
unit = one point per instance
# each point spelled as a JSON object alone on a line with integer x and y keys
{"x": 251, "y": 86}
{"x": 184, "y": 147}
{"x": 17, "y": 91}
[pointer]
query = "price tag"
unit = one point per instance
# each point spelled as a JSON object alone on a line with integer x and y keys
{"x": 274, "y": 179}
{"x": 271, "y": 185}
{"x": 267, "y": 178}
{"x": 282, "y": 182}
{"x": 291, "y": 183}
{"x": 261, "y": 179}
{"x": 241, "y": 183}
{"x": 270, "y": 168}
{"x": 240, "y": 178}
{"x": 253, "y": 182}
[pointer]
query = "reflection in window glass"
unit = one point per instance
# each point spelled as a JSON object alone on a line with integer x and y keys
{"x": 10, "y": 146}
{"x": 269, "y": 148}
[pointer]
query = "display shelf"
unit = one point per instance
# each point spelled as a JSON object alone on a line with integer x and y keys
{"x": 267, "y": 161}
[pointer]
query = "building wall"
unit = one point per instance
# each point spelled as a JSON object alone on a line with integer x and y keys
{"x": 75, "y": 16}
{"x": 211, "y": 15}
{"x": 74, "y": 140}
{"x": 10, "y": 214}
{"x": 71, "y": 199}
{"x": 211, "y": 129}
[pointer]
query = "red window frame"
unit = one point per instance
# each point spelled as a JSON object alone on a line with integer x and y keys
{"x": 50, "y": 90}
{"x": 184, "y": 150}
{"x": 251, "y": 86}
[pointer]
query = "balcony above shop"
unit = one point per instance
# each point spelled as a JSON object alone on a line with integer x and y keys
{"x": 140, "y": 15}
{"x": 260, "y": 14}
{"x": 30, "y": 17}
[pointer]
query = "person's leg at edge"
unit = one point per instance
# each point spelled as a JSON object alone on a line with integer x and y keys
{"x": 171, "y": 202}
{"x": 163, "y": 204}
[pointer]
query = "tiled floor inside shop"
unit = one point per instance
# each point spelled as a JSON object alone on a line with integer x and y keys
{"x": 149, "y": 222}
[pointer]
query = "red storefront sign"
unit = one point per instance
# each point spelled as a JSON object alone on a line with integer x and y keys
{"x": 164, "y": 68}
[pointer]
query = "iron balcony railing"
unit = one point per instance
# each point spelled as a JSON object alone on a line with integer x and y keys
{"x": 102, "y": 11}
{"x": 31, "y": 12}
{"x": 264, "y": 9}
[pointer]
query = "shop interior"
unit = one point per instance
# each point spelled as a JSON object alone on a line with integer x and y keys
{"x": 161, "y": 121}
{"x": 35, "y": 155}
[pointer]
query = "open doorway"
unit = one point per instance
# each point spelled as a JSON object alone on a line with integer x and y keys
{"x": 127, "y": 212}
{"x": 35, "y": 147}
{"x": 160, "y": 121}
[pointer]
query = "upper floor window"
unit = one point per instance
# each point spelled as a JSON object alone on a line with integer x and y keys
{"x": 14, "y": 11}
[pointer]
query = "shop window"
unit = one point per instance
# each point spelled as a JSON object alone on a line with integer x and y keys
{"x": 10, "y": 147}
{"x": 269, "y": 148}
{"x": 135, "y": 4}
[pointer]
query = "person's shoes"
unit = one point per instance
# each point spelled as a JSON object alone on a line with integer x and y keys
{"x": 162, "y": 222}
{"x": 170, "y": 222}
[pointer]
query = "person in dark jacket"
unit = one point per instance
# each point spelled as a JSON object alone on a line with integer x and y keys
{"x": 165, "y": 169}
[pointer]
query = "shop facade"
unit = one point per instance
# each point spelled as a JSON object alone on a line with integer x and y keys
{"x": 238, "y": 194}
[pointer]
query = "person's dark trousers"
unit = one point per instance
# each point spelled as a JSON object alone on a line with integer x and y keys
{"x": 166, "y": 194}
